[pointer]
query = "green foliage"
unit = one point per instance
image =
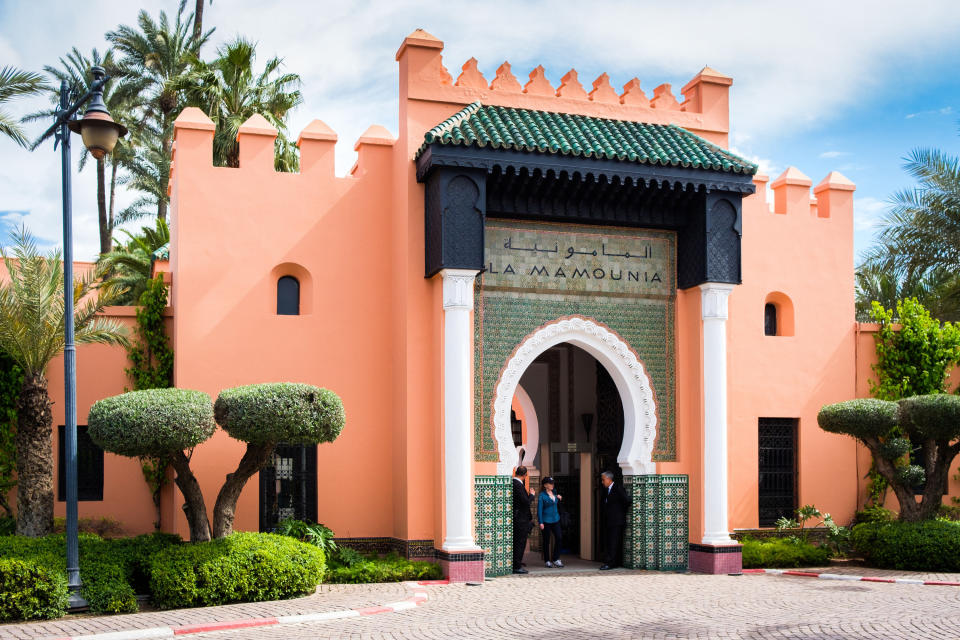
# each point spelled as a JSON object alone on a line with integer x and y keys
{"x": 8, "y": 525}
{"x": 15, "y": 83}
{"x": 911, "y": 475}
{"x": 151, "y": 356}
{"x": 11, "y": 380}
{"x": 916, "y": 359}
{"x": 876, "y": 487}
{"x": 931, "y": 545}
{"x": 105, "y": 526}
{"x": 894, "y": 448}
{"x": 113, "y": 571}
{"x": 350, "y": 567}
{"x": 129, "y": 265}
{"x": 782, "y": 552}
{"x": 280, "y": 412}
{"x": 874, "y": 513}
{"x": 931, "y": 417}
{"x": 29, "y": 591}
{"x": 837, "y": 536}
{"x": 862, "y": 418}
{"x": 153, "y": 422}
{"x": 242, "y": 567}
{"x": 313, "y": 533}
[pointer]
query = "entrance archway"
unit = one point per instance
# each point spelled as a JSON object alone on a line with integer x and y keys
{"x": 531, "y": 427}
{"x": 620, "y": 361}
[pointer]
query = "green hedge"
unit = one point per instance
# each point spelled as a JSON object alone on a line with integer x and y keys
{"x": 782, "y": 553}
{"x": 243, "y": 567}
{"x": 932, "y": 545}
{"x": 112, "y": 571}
{"x": 357, "y": 569}
{"x": 30, "y": 591}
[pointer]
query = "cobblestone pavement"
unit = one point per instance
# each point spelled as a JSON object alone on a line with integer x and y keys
{"x": 333, "y": 597}
{"x": 621, "y": 604}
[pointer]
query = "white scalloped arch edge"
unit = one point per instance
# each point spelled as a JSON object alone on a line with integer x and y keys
{"x": 628, "y": 373}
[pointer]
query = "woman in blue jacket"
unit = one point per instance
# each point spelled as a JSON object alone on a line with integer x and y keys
{"x": 548, "y": 515}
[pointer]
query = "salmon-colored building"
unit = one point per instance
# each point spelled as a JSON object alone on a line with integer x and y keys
{"x": 576, "y": 278}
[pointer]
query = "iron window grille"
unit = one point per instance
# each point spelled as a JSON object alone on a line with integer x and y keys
{"x": 89, "y": 466}
{"x": 777, "y": 469}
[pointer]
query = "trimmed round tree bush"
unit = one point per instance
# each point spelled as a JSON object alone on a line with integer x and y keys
{"x": 862, "y": 418}
{"x": 31, "y": 591}
{"x": 263, "y": 415}
{"x": 160, "y": 424}
{"x": 242, "y": 567}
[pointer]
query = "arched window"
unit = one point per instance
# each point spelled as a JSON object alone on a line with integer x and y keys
{"x": 288, "y": 296}
{"x": 770, "y": 319}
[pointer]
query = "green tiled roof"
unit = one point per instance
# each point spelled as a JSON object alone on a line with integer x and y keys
{"x": 163, "y": 253}
{"x": 479, "y": 125}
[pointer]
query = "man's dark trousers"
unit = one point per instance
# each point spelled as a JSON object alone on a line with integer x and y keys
{"x": 613, "y": 546}
{"x": 522, "y": 521}
{"x": 616, "y": 505}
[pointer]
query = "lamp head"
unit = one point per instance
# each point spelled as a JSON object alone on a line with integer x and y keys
{"x": 98, "y": 130}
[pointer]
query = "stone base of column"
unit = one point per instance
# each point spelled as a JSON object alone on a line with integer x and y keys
{"x": 461, "y": 566}
{"x": 716, "y": 559}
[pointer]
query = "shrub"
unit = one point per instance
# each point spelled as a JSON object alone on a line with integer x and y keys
{"x": 349, "y": 567}
{"x": 932, "y": 545}
{"x": 320, "y": 536}
{"x": 242, "y": 567}
{"x": 782, "y": 552}
{"x": 105, "y": 527}
{"x": 112, "y": 571}
{"x": 152, "y": 422}
{"x": 862, "y": 418}
{"x": 8, "y": 525}
{"x": 280, "y": 412}
{"x": 874, "y": 513}
{"x": 30, "y": 591}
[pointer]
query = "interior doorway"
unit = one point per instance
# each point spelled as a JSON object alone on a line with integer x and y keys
{"x": 579, "y": 416}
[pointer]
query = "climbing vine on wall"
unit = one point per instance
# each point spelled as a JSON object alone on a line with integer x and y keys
{"x": 11, "y": 380}
{"x": 151, "y": 360}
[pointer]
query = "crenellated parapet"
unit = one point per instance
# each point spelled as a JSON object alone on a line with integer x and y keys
{"x": 831, "y": 198}
{"x": 424, "y": 76}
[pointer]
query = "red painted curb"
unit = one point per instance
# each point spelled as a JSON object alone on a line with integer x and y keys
{"x": 369, "y": 611}
{"x": 871, "y": 579}
{"x": 942, "y": 583}
{"x": 754, "y": 571}
{"x": 429, "y": 582}
{"x": 802, "y": 574}
{"x": 222, "y": 626}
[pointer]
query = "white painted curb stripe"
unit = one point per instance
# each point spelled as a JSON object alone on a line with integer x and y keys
{"x": 317, "y": 617}
{"x": 133, "y": 634}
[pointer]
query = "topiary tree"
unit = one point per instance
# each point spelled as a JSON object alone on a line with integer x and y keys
{"x": 891, "y": 430}
{"x": 159, "y": 423}
{"x": 263, "y": 415}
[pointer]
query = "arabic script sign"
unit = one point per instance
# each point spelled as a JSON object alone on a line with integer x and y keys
{"x": 618, "y": 262}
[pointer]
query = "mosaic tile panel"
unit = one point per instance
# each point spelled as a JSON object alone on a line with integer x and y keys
{"x": 656, "y": 538}
{"x": 493, "y": 510}
{"x": 503, "y": 318}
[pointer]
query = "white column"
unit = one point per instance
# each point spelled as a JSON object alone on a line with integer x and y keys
{"x": 457, "y": 387}
{"x": 714, "y": 314}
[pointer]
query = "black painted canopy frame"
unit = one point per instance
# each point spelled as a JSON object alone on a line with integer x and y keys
{"x": 467, "y": 185}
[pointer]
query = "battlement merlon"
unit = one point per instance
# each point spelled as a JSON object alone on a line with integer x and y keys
{"x": 423, "y": 76}
{"x": 791, "y": 194}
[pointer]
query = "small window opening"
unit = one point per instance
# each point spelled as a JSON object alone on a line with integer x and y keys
{"x": 288, "y": 296}
{"x": 770, "y": 319}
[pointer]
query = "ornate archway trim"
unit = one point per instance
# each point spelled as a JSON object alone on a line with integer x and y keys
{"x": 626, "y": 369}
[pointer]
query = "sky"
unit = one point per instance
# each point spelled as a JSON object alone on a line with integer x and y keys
{"x": 850, "y": 86}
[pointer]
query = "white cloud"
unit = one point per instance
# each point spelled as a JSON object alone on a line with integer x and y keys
{"x": 792, "y": 68}
{"x": 868, "y": 212}
{"x": 766, "y": 165}
{"x": 943, "y": 111}
{"x": 834, "y": 154}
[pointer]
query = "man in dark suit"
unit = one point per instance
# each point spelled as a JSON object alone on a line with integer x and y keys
{"x": 522, "y": 519}
{"x": 616, "y": 504}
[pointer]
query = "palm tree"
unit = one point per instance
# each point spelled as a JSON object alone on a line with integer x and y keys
{"x": 129, "y": 266}
{"x": 198, "y": 18}
{"x": 230, "y": 91}
{"x": 31, "y": 333}
{"x": 160, "y": 51}
{"x": 918, "y": 248}
{"x": 121, "y": 94}
{"x": 15, "y": 83}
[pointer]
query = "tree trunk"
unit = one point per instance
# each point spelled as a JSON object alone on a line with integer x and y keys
{"x": 198, "y": 20}
{"x": 34, "y": 458}
{"x": 193, "y": 506}
{"x": 909, "y": 508}
{"x": 224, "y": 511}
{"x": 102, "y": 206}
{"x": 113, "y": 199}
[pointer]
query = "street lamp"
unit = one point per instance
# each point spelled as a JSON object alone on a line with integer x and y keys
{"x": 100, "y": 134}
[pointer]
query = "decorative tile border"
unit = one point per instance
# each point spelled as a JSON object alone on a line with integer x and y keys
{"x": 493, "y": 510}
{"x": 409, "y": 549}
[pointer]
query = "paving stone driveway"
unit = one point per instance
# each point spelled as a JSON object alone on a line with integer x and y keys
{"x": 651, "y": 605}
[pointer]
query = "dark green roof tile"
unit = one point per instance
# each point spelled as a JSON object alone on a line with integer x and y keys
{"x": 478, "y": 125}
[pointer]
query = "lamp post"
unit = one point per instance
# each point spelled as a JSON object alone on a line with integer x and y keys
{"x": 100, "y": 134}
